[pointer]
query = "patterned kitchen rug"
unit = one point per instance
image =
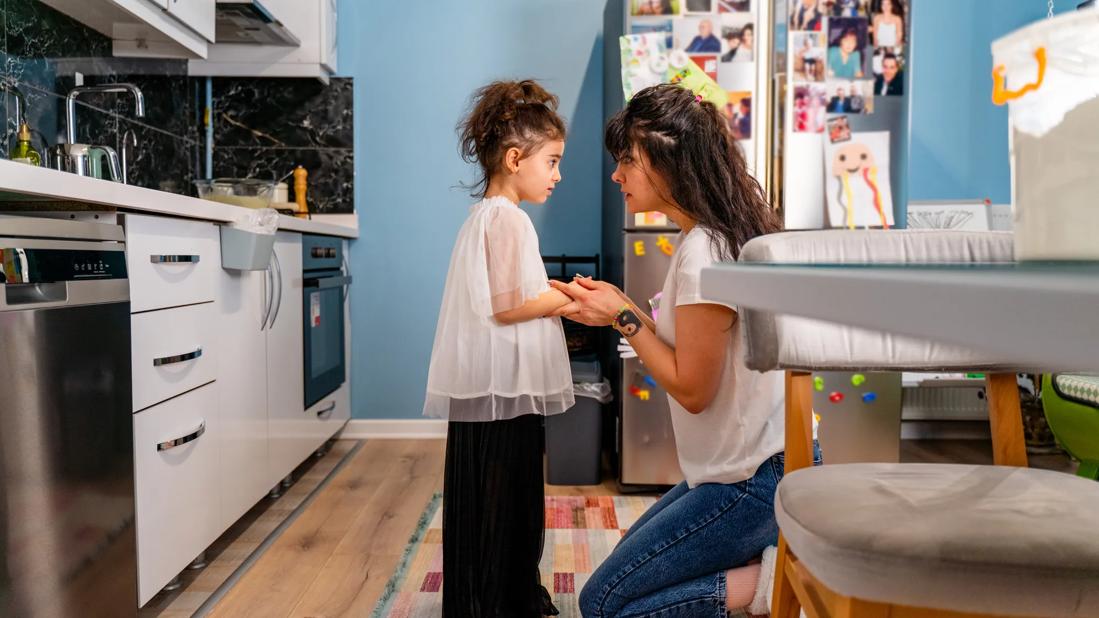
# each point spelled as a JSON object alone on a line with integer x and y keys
{"x": 580, "y": 533}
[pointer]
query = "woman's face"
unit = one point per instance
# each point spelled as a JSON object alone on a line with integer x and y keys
{"x": 848, "y": 43}
{"x": 641, "y": 185}
{"x": 746, "y": 38}
{"x": 887, "y": 7}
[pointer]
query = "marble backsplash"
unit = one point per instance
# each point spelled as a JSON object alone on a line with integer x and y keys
{"x": 262, "y": 127}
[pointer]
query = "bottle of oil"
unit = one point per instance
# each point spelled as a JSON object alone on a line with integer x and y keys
{"x": 22, "y": 151}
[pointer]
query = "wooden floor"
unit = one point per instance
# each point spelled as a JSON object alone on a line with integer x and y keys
{"x": 337, "y": 557}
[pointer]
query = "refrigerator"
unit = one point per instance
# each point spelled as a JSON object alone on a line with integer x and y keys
{"x": 638, "y": 249}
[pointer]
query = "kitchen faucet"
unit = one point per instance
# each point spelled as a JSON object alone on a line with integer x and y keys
{"x": 9, "y": 85}
{"x": 78, "y": 154}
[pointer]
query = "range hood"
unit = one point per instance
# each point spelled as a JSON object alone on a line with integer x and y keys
{"x": 249, "y": 22}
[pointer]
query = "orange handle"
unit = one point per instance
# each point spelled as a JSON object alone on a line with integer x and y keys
{"x": 1001, "y": 95}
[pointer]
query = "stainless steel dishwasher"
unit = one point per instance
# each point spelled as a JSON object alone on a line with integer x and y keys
{"x": 66, "y": 431}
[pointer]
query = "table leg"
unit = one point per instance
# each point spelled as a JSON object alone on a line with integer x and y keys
{"x": 1006, "y": 420}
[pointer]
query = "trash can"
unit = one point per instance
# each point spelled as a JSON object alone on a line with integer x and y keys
{"x": 574, "y": 438}
{"x": 1048, "y": 74}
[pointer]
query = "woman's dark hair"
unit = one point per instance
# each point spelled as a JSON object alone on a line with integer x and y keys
{"x": 504, "y": 115}
{"x": 688, "y": 143}
{"x": 898, "y": 7}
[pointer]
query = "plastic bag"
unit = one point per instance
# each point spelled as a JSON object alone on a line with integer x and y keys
{"x": 259, "y": 221}
{"x": 599, "y": 391}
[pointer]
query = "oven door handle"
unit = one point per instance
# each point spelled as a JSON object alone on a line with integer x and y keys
{"x": 323, "y": 283}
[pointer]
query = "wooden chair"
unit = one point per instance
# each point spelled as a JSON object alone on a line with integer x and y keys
{"x": 901, "y": 540}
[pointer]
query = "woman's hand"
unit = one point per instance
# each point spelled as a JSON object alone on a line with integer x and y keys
{"x": 595, "y": 303}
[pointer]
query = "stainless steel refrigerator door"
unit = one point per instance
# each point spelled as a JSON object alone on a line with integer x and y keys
{"x": 648, "y": 443}
{"x": 66, "y": 461}
{"x": 860, "y": 416}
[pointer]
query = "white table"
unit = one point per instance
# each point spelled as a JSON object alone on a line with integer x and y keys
{"x": 1046, "y": 315}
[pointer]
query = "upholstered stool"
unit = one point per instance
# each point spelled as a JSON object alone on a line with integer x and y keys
{"x": 986, "y": 540}
{"x": 799, "y": 346}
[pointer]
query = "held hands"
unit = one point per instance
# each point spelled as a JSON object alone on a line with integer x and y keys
{"x": 594, "y": 303}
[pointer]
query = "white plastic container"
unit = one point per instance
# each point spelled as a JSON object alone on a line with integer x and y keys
{"x": 1048, "y": 74}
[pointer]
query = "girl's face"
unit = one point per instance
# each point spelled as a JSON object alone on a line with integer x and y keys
{"x": 535, "y": 177}
{"x": 643, "y": 187}
{"x": 848, "y": 43}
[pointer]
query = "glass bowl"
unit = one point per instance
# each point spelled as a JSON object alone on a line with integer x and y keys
{"x": 246, "y": 192}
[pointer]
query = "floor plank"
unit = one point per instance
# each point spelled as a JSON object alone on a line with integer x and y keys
{"x": 337, "y": 557}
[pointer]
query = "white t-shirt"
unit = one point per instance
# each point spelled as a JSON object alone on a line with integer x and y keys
{"x": 744, "y": 425}
{"x": 482, "y": 370}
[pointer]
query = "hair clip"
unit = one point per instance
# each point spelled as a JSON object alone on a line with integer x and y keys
{"x": 698, "y": 98}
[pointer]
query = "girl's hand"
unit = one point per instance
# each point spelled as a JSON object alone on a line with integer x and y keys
{"x": 598, "y": 301}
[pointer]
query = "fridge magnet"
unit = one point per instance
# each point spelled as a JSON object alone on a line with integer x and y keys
{"x": 850, "y": 8}
{"x": 660, "y": 26}
{"x": 887, "y": 23}
{"x": 734, "y": 6}
{"x": 806, "y": 15}
{"x": 697, "y": 6}
{"x": 858, "y": 379}
{"x": 697, "y": 35}
{"x": 818, "y": 384}
{"x": 888, "y": 68}
{"x": 738, "y": 111}
{"x": 810, "y": 104}
{"x": 651, "y": 381}
{"x": 857, "y": 187}
{"x": 839, "y": 130}
{"x": 870, "y": 397}
{"x": 654, "y": 7}
{"x": 850, "y": 97}
{"x": 835, "y": 397}
{"x": 639, "y": 248}
{"x": 650, "y": 219}
{"x": 665, "y": 245}
{"x": 847, "y": 44}
{"x": 809, "y": 51}
{"x": 738, "y": 36}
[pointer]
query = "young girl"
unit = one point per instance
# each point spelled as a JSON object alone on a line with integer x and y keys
{"x": 499, "y": 364}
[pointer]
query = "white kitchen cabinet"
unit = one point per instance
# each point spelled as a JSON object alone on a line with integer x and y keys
{"x": 171, "y": 262}
{"x": 175, "y": 483}
{"x": 172, "y": 352}
{"x": 242, "y": 373}
{"x": 288, "y": 428}
{"x": 147, "y": 28}
{"x": 313, "y": 22}
{"x": 198, "y": 15}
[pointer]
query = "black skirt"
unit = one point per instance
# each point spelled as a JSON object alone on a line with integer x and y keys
{"x": 494, "y": 520}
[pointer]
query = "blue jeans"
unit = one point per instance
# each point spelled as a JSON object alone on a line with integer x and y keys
{"x": 672, "y": 562}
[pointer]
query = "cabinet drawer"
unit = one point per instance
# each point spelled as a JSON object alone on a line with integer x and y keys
{"x": 175, "y": 478}
{"x": 171, "y": 262}
{"x": 173, "y": 352}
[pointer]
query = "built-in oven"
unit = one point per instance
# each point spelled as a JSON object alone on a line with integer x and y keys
{"x": 326, "y": 285}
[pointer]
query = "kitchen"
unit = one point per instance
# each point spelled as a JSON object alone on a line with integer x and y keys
{"x": 216, "y": 409}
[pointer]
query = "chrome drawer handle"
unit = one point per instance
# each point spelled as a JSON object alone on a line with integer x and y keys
{"x": 191, "y": 437}
{"x": 178, "y": 358}
{"x": 325, "y": 413}
{"x": 174, "y": 259}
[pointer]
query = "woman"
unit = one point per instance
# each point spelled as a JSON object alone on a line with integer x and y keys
{"x": 693, "y": 551}
{"x": 888, "y": 25}
{"x": 806, "y": 15}
{"x": 845, "y": 59}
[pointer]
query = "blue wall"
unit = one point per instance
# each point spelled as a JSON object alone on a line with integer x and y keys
{"x": 415, "y": 65}
{"x": 958, "y": 146}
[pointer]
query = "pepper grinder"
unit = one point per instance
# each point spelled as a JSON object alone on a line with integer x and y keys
{"x": 300, "y": 184}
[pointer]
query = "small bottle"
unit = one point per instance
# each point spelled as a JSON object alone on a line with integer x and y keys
{"x": 300, "y": 184}
{"x": 22, "y": 151}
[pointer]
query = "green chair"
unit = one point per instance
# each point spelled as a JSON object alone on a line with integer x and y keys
{"x": 1071, "y": 403}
